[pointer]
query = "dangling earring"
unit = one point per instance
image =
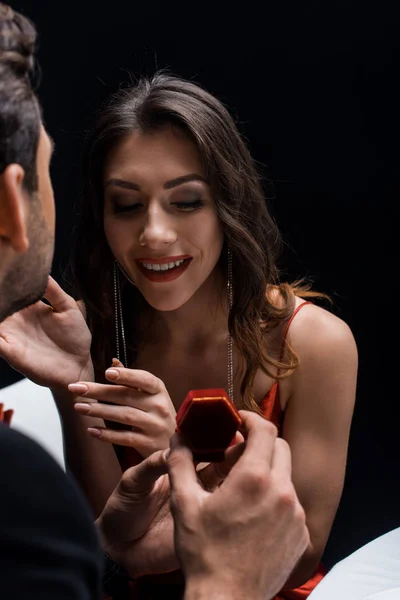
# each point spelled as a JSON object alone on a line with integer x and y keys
{"x": 229, "y": 290}
{"x": 118, "y": 314}
{"x": 124, "y": 273}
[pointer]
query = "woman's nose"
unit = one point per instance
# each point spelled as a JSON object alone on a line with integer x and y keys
{"x": 158, "y": 231}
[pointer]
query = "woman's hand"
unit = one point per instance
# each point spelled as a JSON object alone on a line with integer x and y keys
{"x": 48, "y": 344}
{"x": 138, "y": 400}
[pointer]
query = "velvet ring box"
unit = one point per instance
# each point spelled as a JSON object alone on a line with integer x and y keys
{"x": 208, "y": 421}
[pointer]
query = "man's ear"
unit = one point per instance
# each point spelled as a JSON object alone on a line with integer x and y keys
{"x": 13, "y": 218}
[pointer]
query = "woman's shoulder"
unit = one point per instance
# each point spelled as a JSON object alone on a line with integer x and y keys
{"x": 327, "y": 358}
{"x": 318, "y": 333}
{"x": 319, "y": 338}
{"x": 302, "y": 315}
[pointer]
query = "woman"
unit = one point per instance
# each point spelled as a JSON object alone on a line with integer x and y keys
{"x": 175, "y": 267}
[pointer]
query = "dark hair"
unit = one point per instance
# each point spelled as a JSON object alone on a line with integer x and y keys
{"x": 19, "y": 108}
{"x": 249, "y": 229}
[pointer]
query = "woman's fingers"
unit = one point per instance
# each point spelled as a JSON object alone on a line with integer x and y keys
{"x": 115, "y": 394}
{"x": 138, "y": 400}
{"x": 136, "y": 379}
{"x": 116, "y": 363}
{"x": 127, "y": 415}
{"x": 125, "y": 378}
{"x": 127, "y": 437}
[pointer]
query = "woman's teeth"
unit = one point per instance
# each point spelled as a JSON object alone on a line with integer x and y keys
{"x": 162, "y": 267}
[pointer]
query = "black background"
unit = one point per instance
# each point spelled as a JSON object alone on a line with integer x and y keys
{"x": 315, "y": 89}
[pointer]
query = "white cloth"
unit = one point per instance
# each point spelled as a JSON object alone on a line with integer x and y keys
{"x": 35, "y": 415}
{"x": 370, "y": 573}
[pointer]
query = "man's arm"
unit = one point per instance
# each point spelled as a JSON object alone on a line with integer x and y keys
{"x": 220, "y": 536}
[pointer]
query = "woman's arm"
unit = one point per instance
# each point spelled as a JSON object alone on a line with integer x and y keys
{"x": 320, "y": 401}
{"x": 93, "y": 464}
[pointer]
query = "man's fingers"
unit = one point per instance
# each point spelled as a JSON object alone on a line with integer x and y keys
{"x": 215, "y": 473}
{"x": 60, "y": 301}
{"x": 141, "y": 478}
{"x": 135, "y": 378}
{"x": 182, "y": 475}
{"x": 282, "y": 459}
{"x": 260, "y": 436}
{"x": 238, "y": 438}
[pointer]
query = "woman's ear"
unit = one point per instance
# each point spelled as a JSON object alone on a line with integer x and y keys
{"x": 13, "y": 217}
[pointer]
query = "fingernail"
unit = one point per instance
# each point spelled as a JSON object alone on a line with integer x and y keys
{"x": 82, "y": 407}
{"x": 166, "y": 454}
{"x": 116, "y": 363}
{"x": 78, "y": 388}
{"x": 94, "y": 432}
{"x": 112, "y": 374}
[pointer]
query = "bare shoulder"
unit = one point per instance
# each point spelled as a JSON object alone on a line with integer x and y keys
{"x": 317, "y": 333}
{"x": 328, "y": 361}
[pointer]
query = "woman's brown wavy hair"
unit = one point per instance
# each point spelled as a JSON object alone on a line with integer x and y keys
{"x": 151, "y": 104}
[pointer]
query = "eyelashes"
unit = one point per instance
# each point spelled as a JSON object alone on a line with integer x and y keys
{"x": 122, "y": 208}
{"x": 183, "y": 206}
{"x": 189, "y": 206}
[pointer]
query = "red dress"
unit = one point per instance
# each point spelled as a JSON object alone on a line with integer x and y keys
{"x": 171, "y": 585}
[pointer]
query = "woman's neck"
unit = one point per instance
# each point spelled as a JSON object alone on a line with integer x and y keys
{"x": 202, "y": 318}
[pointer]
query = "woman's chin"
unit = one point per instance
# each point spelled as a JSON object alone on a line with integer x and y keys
{"x": 168, "y": 303}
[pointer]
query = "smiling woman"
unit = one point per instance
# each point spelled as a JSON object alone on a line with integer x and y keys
{"x": 175, "y": 268}
{"x": 162, "y": 214}
{"x": 173, "y": 205}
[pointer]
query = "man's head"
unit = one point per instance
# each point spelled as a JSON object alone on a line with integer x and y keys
{"x": 27, "y": 219}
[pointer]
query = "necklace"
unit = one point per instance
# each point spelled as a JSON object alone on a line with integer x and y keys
{"x": 120, "y": 329}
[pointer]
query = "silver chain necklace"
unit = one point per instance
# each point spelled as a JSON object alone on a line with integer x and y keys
{"x": 119, "y": 320}
{"x": 230, "y": 346}
{"x": 119, "y": 317}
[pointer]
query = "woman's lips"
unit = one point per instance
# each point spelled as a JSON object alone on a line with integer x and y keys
{"x": 167, "y": 275}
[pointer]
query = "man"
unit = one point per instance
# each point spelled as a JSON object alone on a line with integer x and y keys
{"x": 48, "y": 546}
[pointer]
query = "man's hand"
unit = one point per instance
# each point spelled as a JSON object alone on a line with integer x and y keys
{"x": 136, "y": 526}
{"x": 244, "y": 539}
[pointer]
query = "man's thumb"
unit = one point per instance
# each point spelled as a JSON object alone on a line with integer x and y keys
{"x": 141, "y": 478}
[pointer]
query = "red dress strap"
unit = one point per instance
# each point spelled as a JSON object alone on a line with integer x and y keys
{"x": 270, "y": 405}
{"x": 292, "y": 316}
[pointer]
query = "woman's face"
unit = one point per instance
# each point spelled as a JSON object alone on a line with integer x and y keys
{"x": 159, "y": 217}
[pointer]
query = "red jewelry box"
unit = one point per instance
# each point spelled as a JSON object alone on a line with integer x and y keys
{"x": 208, "y": 421}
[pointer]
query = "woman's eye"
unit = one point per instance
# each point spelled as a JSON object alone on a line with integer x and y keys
{"x": 189, "y": 205}
{"x": 122, "y": 208}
